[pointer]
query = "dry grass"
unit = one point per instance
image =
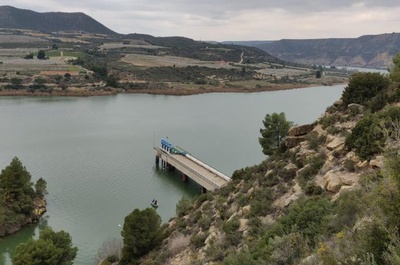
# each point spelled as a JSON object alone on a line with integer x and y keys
{"x": 178, "y": 244}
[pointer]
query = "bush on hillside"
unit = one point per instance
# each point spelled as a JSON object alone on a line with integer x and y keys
{"x": 363, "y": 87}
{"x": 369, "y": 135}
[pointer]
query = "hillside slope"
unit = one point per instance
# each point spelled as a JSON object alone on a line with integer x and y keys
{"x": 15, "y": 18}
{"x": 330, "y": 196}
{"x": 374, "y": 51}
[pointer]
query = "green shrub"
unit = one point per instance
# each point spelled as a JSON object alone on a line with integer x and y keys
{"x": 363, "y": 87}
{"x": 314, "y": 140}
{"x": 112, "y": 258}
{"x": 307, "y": 216}
{"x": 366, "y": 137}
{"x": 349, "y": 165}
{"x": 329, "y": 120}
{"x": 243, "y": 200}
{"x": 198, "y": 240}
{"x": 287, "y": 174}
{"x": 347, "y": 208}
{"x": 204, "y": 222}
{"x": 215, "y": 253}
{"x": 315, "y": 163}
{"x": 231, "y": 226}
{"x": 256, "y": 227}
{"x": 260, "y": 205}
{"x": 183, "y": 207}
{"x": 241, "y": 258}
{"x": 378, "y": 102}
{"x": 333, "y": 130}
{"x": 312, "y": 189}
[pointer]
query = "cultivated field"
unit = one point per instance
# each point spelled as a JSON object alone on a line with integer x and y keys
{"x": 158, "y": 61}
{"x": 8, "y": 38}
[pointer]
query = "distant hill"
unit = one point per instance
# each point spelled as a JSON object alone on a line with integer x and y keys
{"x": 15, "y": 18}
{"x": 375, "y": 51}
{"x": 186, "y": 47}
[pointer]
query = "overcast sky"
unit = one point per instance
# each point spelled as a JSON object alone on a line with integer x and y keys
{"x": 225, "y": 20}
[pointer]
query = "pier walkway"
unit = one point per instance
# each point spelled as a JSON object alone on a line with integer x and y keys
{"x": 206, "y": 176}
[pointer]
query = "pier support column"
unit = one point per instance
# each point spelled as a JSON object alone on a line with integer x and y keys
{"x": 184, "y": 178}
{"x": 203, "y": 190}
{"x": 157, "y": 161}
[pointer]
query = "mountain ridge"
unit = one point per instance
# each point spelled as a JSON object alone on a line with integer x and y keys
{"x": 15, "y": 18}
{"x": 373, "y": 51}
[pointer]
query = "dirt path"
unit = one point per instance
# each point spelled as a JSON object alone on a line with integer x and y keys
{"x": 241, "y": 58}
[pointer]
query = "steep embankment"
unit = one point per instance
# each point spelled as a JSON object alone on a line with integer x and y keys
{"x": 328, "y": 196}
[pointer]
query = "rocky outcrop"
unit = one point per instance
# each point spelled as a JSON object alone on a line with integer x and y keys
{"x": 297, "y": 134}
{"x": 336, "y": 144}
{"x": 301, "y": 130}
{"x": 293, "y": 194}
{"x": 38, "y": 211}
{"x": 334, "y": 180}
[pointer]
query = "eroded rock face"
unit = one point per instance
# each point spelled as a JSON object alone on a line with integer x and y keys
{"x": 292, "y": 195}
{"x": 336, "y": 144}
{"x": 301, "y": 130}
{"x": 292, "y": 141}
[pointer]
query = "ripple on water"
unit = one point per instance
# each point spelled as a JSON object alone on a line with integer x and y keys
{"x": 97, "y": 158}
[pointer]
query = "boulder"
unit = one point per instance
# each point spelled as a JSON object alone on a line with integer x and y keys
{"x": 290, "y": 167}
{"x": 246, "y": 209}
{"x": 353, "y": 107}
{"x": 338, "y": 103}
{"x": 342, "y": 190}
{"x": 269, "y": 172}
{"x": 243, "y": 225}
{"x": 336, "y": 144}
{"x": 378, "y": 161}
{"x": 334, "y": 180}
{"x": 362, "y": 164}
{"x": 301, "y": 130}
{"x": 353, "y": 157}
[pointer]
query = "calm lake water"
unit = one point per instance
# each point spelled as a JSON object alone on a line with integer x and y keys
{"x": 97, "y": 157}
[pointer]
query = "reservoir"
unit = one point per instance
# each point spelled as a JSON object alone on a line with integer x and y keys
{"x": 97, "y": 156}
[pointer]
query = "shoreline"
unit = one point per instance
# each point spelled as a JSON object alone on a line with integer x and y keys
{"x": 40, "y": 208}
{"x": 164, "y": 91}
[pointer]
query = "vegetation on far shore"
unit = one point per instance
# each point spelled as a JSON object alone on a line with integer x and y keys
{"x": 145, "y": 64}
